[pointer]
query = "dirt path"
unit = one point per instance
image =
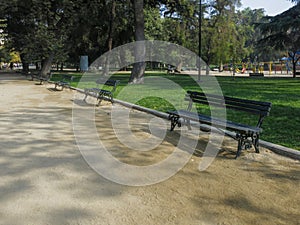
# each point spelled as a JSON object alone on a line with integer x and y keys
{"x": 45, "y": 180}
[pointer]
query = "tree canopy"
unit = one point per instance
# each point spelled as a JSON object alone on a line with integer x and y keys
{"x": 48, "y": 32}
{"x": 283, "y": 32}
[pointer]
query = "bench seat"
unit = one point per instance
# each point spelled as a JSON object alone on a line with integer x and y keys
{"x": 223, "y": 124}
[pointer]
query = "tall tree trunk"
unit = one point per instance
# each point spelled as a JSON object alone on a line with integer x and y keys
{"x": 25, "y": 64}
{"x": 122, "y": 59}
{"x": 179, "y": 66}
{"x": 110, "y": 34}
{"x": 138, "y": 71}
{"x": 295, "y": 59}
{"x": 47, "y": 64}
{"x": 294, "y": 68}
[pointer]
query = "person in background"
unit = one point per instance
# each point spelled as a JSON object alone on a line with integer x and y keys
{"x": 11, "y": 65}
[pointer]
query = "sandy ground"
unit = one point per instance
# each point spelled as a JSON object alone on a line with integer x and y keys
{"x": 45, "y": 179}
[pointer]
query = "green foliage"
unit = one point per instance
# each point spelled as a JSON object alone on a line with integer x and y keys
{"x": 180, "y": 24}
{"x": 4, "y": 55}
{"x": 217, "y": 32}
{"x": 246, "y": 20}
{"x": 37, "y": 28}
{"x": 283, "y": 32}
{"x": 153, "y": 24}
{"x": 70, "y": 28}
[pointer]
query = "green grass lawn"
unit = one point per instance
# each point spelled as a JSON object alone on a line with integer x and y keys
{"x": 281, "y": 127}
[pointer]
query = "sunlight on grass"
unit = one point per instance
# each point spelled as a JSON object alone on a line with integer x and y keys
{"x": 281, "y": 127}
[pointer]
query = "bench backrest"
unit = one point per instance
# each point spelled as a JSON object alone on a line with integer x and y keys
{"x": 67, "y": 77}
{"x": 251, "y": 106}
{"x": 111, "y": 83}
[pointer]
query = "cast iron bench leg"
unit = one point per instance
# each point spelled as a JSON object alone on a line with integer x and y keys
{"x": 239, "y": 149}
{"x": 256, "y": 143}
{"x": 100, "y": 98}
{"x": 86, "y": 94}
{"x": 174, "y": 121}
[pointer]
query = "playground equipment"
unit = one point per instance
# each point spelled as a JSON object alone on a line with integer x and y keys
{"x": 282, "y": 66}
{"x": 279, "y": 67}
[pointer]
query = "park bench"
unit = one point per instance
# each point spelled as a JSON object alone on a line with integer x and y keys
{"x": 246, "y": 135}
{"x": 256, "y": 74}
{"x": 170, "y": 69}
{"x": 38, "y": 76}
{"x": 23, "y": 72}
{"x": 64, "y": 82}
{"x": 104, "y": 90}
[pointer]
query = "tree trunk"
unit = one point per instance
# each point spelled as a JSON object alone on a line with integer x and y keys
{"x": 110, "y": 34}
{"x": 294, "y": 62}
{"x": 221, "y": 68}
{"x": 47, "y": 64}
{"x": 207, "y": 70}
{"x": 25, "y": 65}
{"x": 294, "y": 68}
{"x": 37, "y": 67}
{"x": 122, "y": 59}
{"x": 179, "y": 66}
{"x": 138, "y": 71}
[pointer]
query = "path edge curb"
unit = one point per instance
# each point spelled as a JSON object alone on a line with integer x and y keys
{"x": 281, "y": 150}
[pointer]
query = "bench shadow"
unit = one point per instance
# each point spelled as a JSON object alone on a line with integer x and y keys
{"x": 54, "y": 90}
{"x": 82, "y": 103}
{"x": 227, "y": 151}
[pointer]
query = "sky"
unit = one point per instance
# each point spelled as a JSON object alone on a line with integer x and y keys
{"x": 272, "y": 7}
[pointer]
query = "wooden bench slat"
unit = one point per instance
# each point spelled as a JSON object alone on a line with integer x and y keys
{"x": 194, "y": 93}
{"x": 240, "y": 107}
{"x": 255, "y": 107}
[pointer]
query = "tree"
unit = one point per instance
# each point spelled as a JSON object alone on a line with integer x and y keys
{"x": 221, "y": 40}
{"x": 283, "y": 32}
{"x": 40, "y": 29}
{"x": 137, "y": 73}
{"x": 246, "y": 20}
{"x": 4, "y": 56}
{"x": 110, "y": 35}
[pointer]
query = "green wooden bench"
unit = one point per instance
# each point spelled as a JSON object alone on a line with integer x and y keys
{"x": 38, "y": 76}
{"x": 64, "y": 82}
{"x": 246, "y": 135}
{"x": 104, "y": 90}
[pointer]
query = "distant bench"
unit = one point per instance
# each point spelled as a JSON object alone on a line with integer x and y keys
{"x": 246, "y": 135}
{"x": 38, "y": 76}
{"x": 170, "y": 70}
{"x": 104, "y": 90}
{"x": 256, "y": 74}
{"x": 64, "y": 82}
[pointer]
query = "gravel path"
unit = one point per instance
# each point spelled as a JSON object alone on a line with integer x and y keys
{"x": 45, "y": 180}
